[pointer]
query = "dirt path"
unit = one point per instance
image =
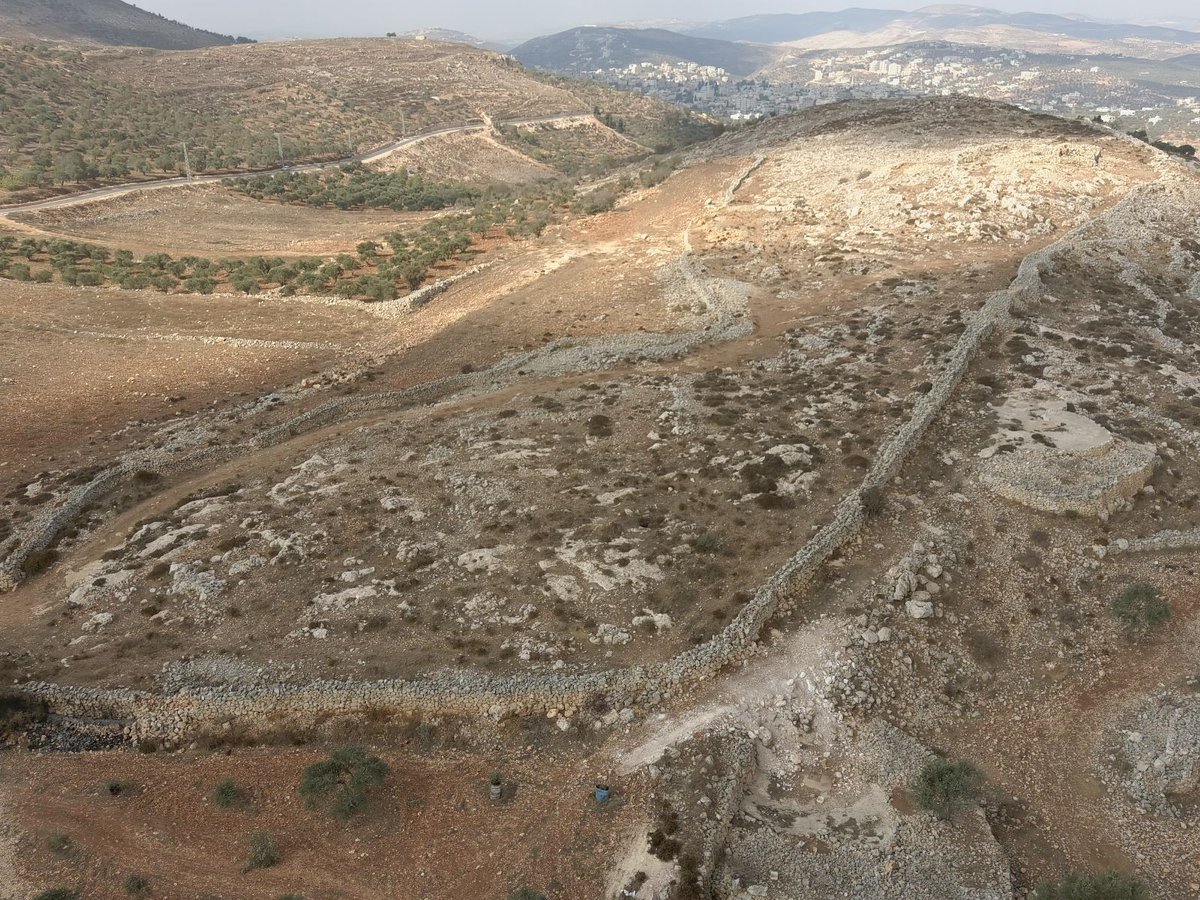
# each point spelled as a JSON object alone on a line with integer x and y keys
{"x": 12, "y": 886}
{"x": 118, "y": 190}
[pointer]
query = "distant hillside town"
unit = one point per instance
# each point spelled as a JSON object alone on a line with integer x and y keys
{"x": 1131, "y": 94}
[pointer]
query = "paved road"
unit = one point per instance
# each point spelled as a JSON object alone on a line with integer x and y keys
{"x": 118, "y": 190}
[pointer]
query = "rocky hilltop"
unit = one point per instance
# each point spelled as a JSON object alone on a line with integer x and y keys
{"x": 855, "y": 452}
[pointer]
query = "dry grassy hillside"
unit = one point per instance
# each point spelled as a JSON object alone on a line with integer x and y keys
{"x": 101, "y": 22}
{"x": 77, "y": 116}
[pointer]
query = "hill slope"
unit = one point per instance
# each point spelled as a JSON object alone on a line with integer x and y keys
{"x": 450, "y": 36}
{"x": 589, "y": 48}
{"x": 928, "y": 364}
{"x": 117, "y": 112}
{"x": 101, "y": 22}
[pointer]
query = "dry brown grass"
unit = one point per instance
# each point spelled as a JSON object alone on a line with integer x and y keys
{"x": 215, "y": 222}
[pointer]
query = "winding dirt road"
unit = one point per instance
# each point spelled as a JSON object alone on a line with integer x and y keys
{"x": 120, "y": 190}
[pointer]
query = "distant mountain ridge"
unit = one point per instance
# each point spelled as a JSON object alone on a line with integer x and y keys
{"x": 109, "y": 22}
{"x": 867, "y": 27}
{"x": 595, "y": 47}
{"x": 778, "y": 28}
{"x": 451, "y": 36}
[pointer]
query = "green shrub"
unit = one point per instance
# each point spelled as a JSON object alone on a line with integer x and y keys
{"x": 526, "y": 893}
{"x": 602, "y": 199}
{"x": 58, "y": 893}
{"x": 200, "y": 284}
{"x": 18, "y": 711}
{"x": 228, "y": 794}
{"x": 1139, "y": 608}
{"x": 945, "y": 787}
{"x": 39, "y": 561}
{"x": 708, "y": 542}
{"x": 247, "y": 284}
{"x": 1106, "y": 886}
{"x": 263, "y": 853}
{"x": 60, "y": 843}
{"x": 137, "y": 885}
{"x": 659, "y": 172}
{"x": 343, "y": 782}
{"x": 115, "y": 787}
{"x": 873, "y": 501}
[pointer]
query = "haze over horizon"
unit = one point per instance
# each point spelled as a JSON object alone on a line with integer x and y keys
{"x": 311, "y": 18}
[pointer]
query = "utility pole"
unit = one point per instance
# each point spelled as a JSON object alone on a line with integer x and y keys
{"x": 187, "y": 163}
{"x": 279, "y": 144}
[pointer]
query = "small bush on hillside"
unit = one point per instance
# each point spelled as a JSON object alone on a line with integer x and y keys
{"x": 659, "y": 172}
{"x": 115, "y": 787}
{"x": 945, "y": 787}
{"x": 59, "y": 842}
{"x": 39, "y": 561}
{"x": 137, "y": 886}
{"x": 58, "y": 893}
{"x": 689, "y": 887}
{"x": 873, "y": 501}
{"x": 1106, "y": 886}
{"x": 343, "y": 782}
{"x": 228, "y": 794}
{"x": 526, "y": 893}
{"x": 1139, "y": 608}
{"x": 200, "y": 284}
{"x": 18, "y": 712}
{"x": 984, "y": 648}
{"x": 602, "y": 199}
{"x": 263, "y": 853}
{"x": 664, "y": 841}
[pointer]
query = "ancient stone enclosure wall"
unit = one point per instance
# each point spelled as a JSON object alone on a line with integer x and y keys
{"x": 177, "y": 716}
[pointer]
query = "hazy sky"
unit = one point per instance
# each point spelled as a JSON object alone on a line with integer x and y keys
{"x": 525, "y": 18}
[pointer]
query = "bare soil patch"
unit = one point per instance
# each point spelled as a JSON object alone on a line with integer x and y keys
{"x": 430, "y": 832}
{"x": 215, "y": 222}
{"x": 79, "y": 365}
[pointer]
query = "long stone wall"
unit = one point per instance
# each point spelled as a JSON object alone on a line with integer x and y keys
{"x": 177, "y": 716}
{"x": 1163, "y": 540}
{"x": 566, "y": 355}
{"x": 741, "y": 759}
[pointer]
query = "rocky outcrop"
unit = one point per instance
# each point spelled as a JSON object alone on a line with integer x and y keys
{"x": 1160, "y": 746}
{"x": 177, "y": 716}
{"x": 1055, "y": 481}
{"x": 174, "y": 718}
